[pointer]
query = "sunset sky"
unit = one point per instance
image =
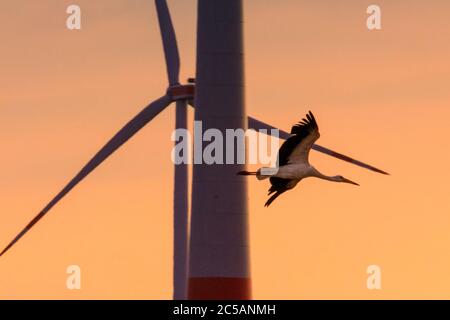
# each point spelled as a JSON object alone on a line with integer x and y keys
{"x": 380, "y": 96}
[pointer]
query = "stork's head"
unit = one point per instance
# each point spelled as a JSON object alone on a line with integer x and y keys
{"x": 342, "y": 179}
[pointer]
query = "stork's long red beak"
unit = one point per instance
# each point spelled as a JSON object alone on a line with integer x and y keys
{"x": 350, "y": 181}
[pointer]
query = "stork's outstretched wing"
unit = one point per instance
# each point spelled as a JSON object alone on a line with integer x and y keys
{"x": 296, "y": 148}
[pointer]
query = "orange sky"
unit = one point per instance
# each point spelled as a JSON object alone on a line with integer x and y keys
{"x": 380, "y": 96}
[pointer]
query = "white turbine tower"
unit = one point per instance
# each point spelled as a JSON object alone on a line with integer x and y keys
{"x": 218, "y": 255}
{"x": 219, "y": 248}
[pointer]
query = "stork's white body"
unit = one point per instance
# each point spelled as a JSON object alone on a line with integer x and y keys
{"x": 293, "y": 161}
{"x": 293, "y": 171}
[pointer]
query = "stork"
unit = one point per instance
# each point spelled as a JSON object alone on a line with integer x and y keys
{"x": 293, "y": 162}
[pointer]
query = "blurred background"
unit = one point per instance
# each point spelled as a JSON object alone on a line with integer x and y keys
{"x": 380, "y": 96}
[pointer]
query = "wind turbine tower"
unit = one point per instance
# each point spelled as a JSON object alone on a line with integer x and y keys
{"x": 219, "y": 245}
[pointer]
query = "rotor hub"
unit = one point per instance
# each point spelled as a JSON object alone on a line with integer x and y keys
{"x": 181, "y": 92}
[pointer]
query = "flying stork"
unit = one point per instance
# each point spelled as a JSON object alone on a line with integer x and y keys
{"x": 293, "y": 163}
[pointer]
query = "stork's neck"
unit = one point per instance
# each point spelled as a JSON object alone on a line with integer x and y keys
{"x": 318, "y": 174}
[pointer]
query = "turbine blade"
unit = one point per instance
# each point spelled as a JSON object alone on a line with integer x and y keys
{"x": 347, "y": 158}
{"x": 258, "y": 125}
{"x": 118, "y": 140}
{"x": 169, "y": 41}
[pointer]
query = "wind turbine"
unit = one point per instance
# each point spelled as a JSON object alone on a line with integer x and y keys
{"x": 218, "y": 255}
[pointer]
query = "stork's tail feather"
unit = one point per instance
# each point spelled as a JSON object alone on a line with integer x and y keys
{"x": 258, "y": 174}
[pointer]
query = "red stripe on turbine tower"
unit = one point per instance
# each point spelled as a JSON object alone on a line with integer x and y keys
{"x": 219, "y": 248}
{"x": 219, "y": 288}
